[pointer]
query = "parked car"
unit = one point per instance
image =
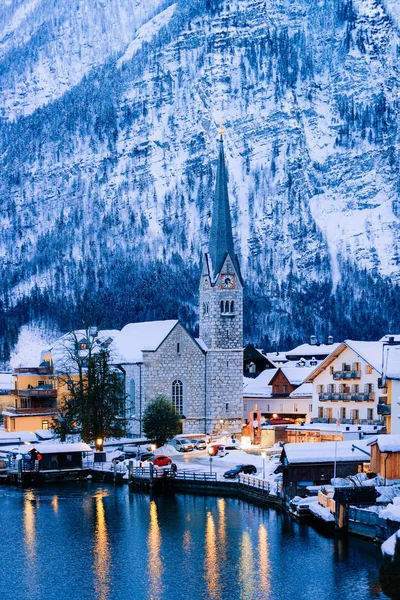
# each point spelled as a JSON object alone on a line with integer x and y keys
{"x": 213, "y": 450}
{"x": 233, "y": 473}
{"x": 145, "y": 456}
{"x": 181, "y": 444}
{"x": 199, "y": 444}
{"x": 161, "y": 460}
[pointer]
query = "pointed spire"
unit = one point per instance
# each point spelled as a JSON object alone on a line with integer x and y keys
{"x": 221, "y": 239}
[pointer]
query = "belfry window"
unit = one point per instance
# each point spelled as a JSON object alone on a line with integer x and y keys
{"x": 222, "y": 307}
{"x": 177, "y": 396}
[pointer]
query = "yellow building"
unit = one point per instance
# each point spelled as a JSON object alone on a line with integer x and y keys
{"x": 33, "y": 401}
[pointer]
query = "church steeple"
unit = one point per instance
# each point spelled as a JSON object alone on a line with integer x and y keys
{"x": 221, "y": 239}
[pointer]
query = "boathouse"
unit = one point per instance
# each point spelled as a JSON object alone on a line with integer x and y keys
{"x": 385, "y": 457}
{"x": 310, "y": 464}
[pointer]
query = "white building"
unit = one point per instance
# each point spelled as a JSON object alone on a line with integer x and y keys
{"x": 391, "y": 376}
{"x": 346, "y": 384}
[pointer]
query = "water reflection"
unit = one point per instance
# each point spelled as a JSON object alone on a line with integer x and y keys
{"x": 29, "y": 526}
{"x": 54, "y": 503}
{"x": 263, "y": 558}
{"x": 222, "y": 529}
{"x": 155, "y": 566}
{"x": 246, "y": 568}
{"x": 187, "y": 541}
{"x": 211, "y": 573}
{"x": 30, "y": 570}
{"x": 102, "y": 558}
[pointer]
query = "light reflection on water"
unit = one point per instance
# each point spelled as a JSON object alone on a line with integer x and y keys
{"x": 102, "y": 557}
{"x": 211, "y": 563}
{"x": 128, "y": 547}
{"x": 155, "y": 567}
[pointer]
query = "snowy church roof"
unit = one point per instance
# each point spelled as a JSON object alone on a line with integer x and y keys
{"x": 130, "y": 342}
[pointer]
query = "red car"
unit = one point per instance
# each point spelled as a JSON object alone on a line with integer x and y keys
{"x": 213, "y": 450}
{"x": 161, "y": 460}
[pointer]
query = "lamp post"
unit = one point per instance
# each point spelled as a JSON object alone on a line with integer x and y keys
{"x": 99, "y": 444}
{"x": 210, "y": 452}
{"x": 263, "y": 454}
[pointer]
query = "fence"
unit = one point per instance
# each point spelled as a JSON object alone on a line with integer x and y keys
{"x": 260, "y": 484}
{"x": 193, "y": 476}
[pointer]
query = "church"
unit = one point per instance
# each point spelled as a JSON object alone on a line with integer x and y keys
{"x": 203, "y": 377}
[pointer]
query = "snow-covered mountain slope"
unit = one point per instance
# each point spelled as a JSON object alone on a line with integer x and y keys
{"x": 107, "y": 147}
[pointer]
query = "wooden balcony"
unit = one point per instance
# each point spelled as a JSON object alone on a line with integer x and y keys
{"x": 35, "y": 410}
{"x": 347, "y": 397}
{"x": 347, "y": 375}
{"x": 39, "y": 392}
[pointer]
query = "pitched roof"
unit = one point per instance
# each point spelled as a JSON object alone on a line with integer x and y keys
{"x": 309, "y": 350}
{"x": 259, "y": 386}
{"x": 305, "y": 390}
{"x": 221, "y": 238}
{"x": 392, "y": 369}
{"x": 296, "y": 375}
{"x": 388, "y": 443}
{"x": 134, "y": 338}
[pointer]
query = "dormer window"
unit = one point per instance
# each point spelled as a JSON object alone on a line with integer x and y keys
{"x": 83, "y": 346}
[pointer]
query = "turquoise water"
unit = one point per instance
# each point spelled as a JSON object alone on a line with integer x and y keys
{"x": 91, "y": 542}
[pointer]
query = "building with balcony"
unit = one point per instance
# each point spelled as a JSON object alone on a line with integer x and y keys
{"x": 347, "y": 385}
{"x": 33, "y": 399}
{"x": 391, "y": 381}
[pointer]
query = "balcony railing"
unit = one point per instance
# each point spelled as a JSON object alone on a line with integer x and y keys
{"x": 38, "y": 393}
{"x": 384, "y": 409}
{"x": 348, "y": 421}
{"x": 347, "y": 375}
{"x": 37, "y": 410}
{"x": 347, "y": 397}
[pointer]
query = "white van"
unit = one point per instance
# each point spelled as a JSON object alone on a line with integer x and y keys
{"x": 181, "y": 444}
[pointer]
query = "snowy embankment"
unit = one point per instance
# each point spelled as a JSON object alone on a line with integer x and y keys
{"x": 389, "y": 546}
{"x": 322, "y": 512}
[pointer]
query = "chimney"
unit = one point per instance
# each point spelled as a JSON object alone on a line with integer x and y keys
{"x": 313, "y": 340}
{"x": 330, "y": 340}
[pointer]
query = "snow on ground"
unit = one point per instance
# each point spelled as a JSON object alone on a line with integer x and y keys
{"x": 392, "y": 511}
{"x": 390, "y": 544}
{"x": 322, "y": 512}
{"x": 31, "y": 342}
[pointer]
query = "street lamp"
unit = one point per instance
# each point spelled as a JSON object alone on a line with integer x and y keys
{"x": 263, "y": 454}
{"x": 99, "y": 444}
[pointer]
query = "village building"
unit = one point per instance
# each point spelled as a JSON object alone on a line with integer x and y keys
{"x": 391, "y": 380}
{"x": 347, "y": 385}
{"x": 385, "y": 458}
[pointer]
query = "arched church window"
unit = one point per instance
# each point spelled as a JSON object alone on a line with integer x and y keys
{"x": 226, "y": 306}
{"x": 232, "y": 306}
{"x": 132, "y": 398}
{"x": 222, "y": 307}
{"x": 177, "y": 396}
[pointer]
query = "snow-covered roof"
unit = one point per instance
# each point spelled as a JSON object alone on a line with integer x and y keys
{"x": 311, "y": 452}
{"x": 295, "y": 374}
{"x": 388, "y": 443}
{"x": 44, "y": 434}
{"x": 136, "y": 337}
{"x": 23, "y": 436}
{"x": 389, "y": 546}
{"x": 305, "y": 390}
{"x": 392, "y": 362}
{"x": 309, "y": 350}
{"x": 259, "y": 386}
{"x": 371, "y": 352}
{"x": 276, "y": 356}
{"x": 388, "y": 336}
{"x": 202, "y": 344}
{"x": 56, "y": 448}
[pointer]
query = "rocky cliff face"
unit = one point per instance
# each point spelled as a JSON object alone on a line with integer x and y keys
{"x": 109, "y": 113}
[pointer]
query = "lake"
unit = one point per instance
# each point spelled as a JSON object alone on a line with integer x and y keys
{"x": 84, "y": 541}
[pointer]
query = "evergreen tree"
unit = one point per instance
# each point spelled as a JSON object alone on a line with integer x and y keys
{"x": 161, "y": 422}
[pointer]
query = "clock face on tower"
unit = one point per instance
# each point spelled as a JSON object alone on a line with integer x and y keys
{"x": 228, "y": 281}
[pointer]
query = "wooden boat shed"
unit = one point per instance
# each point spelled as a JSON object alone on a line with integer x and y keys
{"x": 385, "y": 457}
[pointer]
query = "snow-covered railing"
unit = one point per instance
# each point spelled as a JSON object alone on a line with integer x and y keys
{"x": 104, "y": 466}
{"x": 265, "y": 486}
{"x": 193, "y": 476}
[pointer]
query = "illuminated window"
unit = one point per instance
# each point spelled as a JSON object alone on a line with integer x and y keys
{"x": 45, "y": 425}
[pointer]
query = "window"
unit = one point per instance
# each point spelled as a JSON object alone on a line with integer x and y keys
{"x": 370, "y": 414}
{"x": 83, "y": 346}
{"x": 343, "y": 414}
{"x": 320, "y": 412}
{"x": 328, "y": 413}
{"x": 346, "y": 367}
{"x": 226, "y": 306}
{"x": 226, "y": 406}
{"x": 368, "y": 388}
{"x": 368, "y": 370}
{"x": 268, "y": 408}
{"x": 295, "y": 408}
{"x": 355, "y": 414}
{"x": 276, "y": 389}
{"x": 320, "y": 389}
{"x": 177, "y": 396}
{"x": 206, "y": 308}
{"x": 178, "y": 348}
{"x": 222, "y": 307}
{"x": 310, "y": 408}
{"x": 331, "y": 370}
{"x": 41, "y": 382}
{"x": 132, "y": 398}
{"x": 356, "y": 366}
{"x": 355, "y": 388}
{"x": 331, "y": 388}
{"x": 45, "y": 425}
{"x": 285, "y": 389}
{"x": 232, "y": 306}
